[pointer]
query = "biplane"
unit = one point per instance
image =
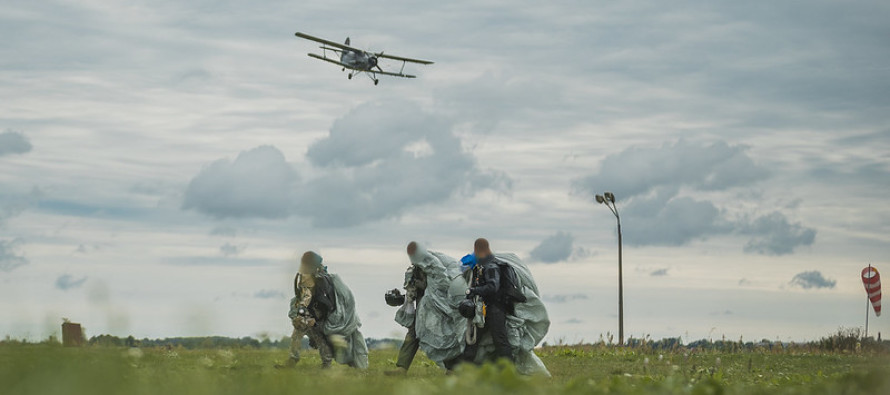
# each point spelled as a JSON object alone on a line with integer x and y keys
{"x": 357, "y": 60}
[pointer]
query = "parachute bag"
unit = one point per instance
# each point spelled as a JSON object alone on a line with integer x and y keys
{"x": 511, "y": 284}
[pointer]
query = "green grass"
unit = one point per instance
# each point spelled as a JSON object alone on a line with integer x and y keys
{"x": 49, "y": 369}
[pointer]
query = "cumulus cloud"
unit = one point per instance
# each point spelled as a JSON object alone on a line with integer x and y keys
{"x": 650, "y": 181}
{"x": 382, "y": 159}
{"x": 773, "y": 234}
{"x": 13, "y": 143}
{"x": 555, "y": 248}
{"x": 639, "y": 170}
{"x": 664, "y": 219}
{"x": 10, "y": 258}
{"x": 378, "y": 161}
{"x": 258, "y": 183}
{"x": 812, "y": 279}
{"x": 67, "y": 281}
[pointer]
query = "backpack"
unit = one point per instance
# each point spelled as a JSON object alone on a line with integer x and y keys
{"x": 510, "y": 284}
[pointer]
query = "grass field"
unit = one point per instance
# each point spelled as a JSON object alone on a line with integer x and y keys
{"x": 51, "y": 369}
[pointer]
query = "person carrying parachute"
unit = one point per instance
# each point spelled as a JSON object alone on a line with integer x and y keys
{"x": 434, "y": 288}
{"x": 507, "y": 318}
{"x": 323, "y": 309}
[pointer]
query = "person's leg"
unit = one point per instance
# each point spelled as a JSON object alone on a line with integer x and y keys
{"x": 496, "y": 323}
{"x": 470, "y": 351}
{"x": 296, "y": 343}
{"x": 408, "y": 349}
{"x": 324, "y": 348}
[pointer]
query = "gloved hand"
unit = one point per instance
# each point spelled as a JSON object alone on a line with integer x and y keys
{"x": 305, "y": 317}
{"x": 471, "y": 292}
{"x": 303, "y": 323}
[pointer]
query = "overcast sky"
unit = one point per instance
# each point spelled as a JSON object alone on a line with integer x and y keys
{"x": 162, "y": 163}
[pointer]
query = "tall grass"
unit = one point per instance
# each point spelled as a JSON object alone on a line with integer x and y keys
{"x": 49, "y": 368}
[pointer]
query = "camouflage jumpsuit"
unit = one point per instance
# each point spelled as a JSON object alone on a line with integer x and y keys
{"x": 306, "y": 325}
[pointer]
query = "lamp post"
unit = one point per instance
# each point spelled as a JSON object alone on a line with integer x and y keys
{"x": 609, "y": 200}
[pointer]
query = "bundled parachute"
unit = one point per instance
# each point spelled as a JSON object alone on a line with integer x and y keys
{"x": 526, "y": 327}
{"x": 341, "y": 328}
{"x": 436, "y": 320}
{"x": 871, "y": 279}
{"x": 442, "y": 330}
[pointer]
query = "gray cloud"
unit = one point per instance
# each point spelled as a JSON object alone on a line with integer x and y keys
{"x": 14, "y": 204}
{"x": 378, "y": 161}
{"x": 226, "y": 231}
{"x": 858, "y": 140}
{"x": 378, "y": 131}
{"x": 555, "y": 248}
{"x": 650, "y": 180}
{"x": 382, "y": 159}
{"x": 852, "y": 171}
{"x": 677, "y": 221}
{"x": 659, "y": 272}
{"x": 812, "y": 279}
{"x": 86, "y": 249}
{"x": 664, "y": 219}
{"x": 773, "y": 234}
{"x": 229, "y": 249}
{"x": 9, "y": 257}
{"x": 638, "y": 170}
{"x": 563, "y": 298}
{"x": 258, "y": 183}
{"x": 13, "y": 143}
{"x": 67, "y": 281}
{"x": 269, "y": 294}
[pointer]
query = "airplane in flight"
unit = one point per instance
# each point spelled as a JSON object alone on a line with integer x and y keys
{"x": 357, "y": 60}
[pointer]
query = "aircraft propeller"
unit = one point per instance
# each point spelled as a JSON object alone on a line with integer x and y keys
{"x": 374, "y": 61}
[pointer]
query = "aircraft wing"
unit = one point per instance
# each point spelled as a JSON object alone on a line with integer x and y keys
{"x": 326, "y": 42}
{"x": 395, "y": 74}
{"x": 399, "y": 58}
{"x": 331, "y": 61}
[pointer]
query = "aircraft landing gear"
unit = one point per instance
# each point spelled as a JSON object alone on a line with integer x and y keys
{"x": 350, "y": 75}
{"x": 376, "y": 81}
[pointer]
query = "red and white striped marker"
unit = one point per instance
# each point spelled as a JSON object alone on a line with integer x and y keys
{"x": 872, "y": 282}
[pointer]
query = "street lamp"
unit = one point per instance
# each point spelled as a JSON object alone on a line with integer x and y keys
{"x": 609, "y": 200}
